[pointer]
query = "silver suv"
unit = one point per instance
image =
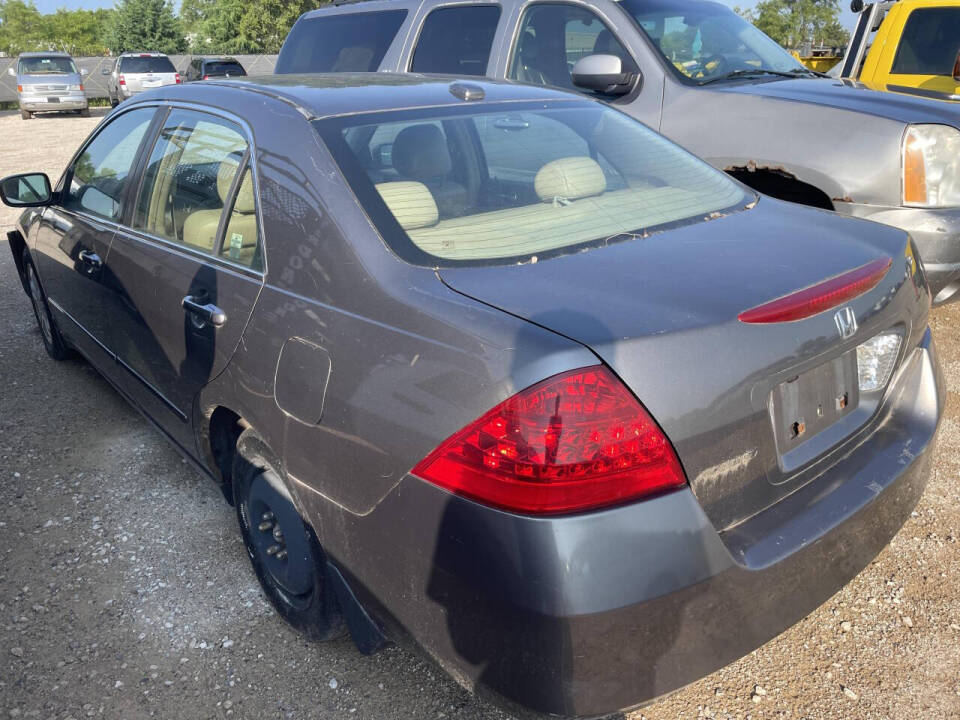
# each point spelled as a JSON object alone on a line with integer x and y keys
{"x": 49, "y": 82}
{"x": 136, "y": 72}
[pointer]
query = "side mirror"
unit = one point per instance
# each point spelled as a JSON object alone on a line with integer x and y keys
{"x": 856, "y": 6}
{"x": 11, "y": 72}
{"x": 956, "y": 68}
{"x": 603, "y": 74}
{"x": 105, "y": 71}
{"x": 84, "y": 71}
{"x": 28, "y": 190}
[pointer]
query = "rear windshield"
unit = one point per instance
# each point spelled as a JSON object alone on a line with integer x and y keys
{"x": 134, "y": 65}
{"x": 514, "y": 182}
{"x": 339, "y": 43}
{"x": 929, "y": 43}
{"x": 223, "y": 68}
{"x": 47, "y": 66}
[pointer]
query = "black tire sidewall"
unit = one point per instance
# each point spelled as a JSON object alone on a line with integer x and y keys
{"x": 56, "y": 347}
{"x": 315, "y": 614}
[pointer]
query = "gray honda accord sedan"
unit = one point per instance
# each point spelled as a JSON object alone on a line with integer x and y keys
{"x": 495, "y": 369}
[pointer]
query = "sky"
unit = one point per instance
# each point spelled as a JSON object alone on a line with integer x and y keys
{"x": 49, "y": 6}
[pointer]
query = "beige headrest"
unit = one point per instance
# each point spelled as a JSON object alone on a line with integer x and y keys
{"x": 569, "y": 178}
{"x": 244, "y": 204}
{"x": 411, "y": 203}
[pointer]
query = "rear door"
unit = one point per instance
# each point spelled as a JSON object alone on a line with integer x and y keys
{"x": 74, "y": 236}
{"x": 189, "y": 264}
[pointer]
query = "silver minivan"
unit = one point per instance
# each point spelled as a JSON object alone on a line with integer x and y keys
{"x": 135, "y": 72}
{"x": 49, "y": 82}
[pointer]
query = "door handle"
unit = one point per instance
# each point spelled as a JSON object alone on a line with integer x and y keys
{"x": 207, "y": 312}
{"x": 88, "y": 257}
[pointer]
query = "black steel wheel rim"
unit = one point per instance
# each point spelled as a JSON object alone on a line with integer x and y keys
{"x": 278, "y": 537}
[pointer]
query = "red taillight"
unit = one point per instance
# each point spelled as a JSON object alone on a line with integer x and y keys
{"x": 206, "y": 77}
{"x": 177, "y": 78}
{"x": 822, "y": 296}
{"x": 123, "y": 80}
{"x": 19, "y": 88}
{"x": 576, "y": 441}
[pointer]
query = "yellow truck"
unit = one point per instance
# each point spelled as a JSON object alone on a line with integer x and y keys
{"x": 906, "y": 46}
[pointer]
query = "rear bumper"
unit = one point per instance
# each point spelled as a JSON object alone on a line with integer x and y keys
{"x": 937, "y": 235}
{"x": 590, "y": 614}
{"x": 66, "y": 102}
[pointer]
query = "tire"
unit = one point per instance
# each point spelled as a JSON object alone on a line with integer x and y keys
{"x": 113, "y": 101}
{"x": 85, "y": 112}
{"x": 26, "y": 115}
{"x": 53, "y": 342}
{"x": 293, "y": 578}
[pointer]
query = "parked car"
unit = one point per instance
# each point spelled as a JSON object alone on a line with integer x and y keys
{"x": 134, "y": 72}
{"x": 696, "y": 72}
{"x": 49, "y": 82}
{"x": 907, "y": 46}
{"x": 204, "y": 68}
{"x": 496, "y": 368}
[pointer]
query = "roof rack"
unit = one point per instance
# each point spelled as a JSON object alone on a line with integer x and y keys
{"x": 347, "y": 2}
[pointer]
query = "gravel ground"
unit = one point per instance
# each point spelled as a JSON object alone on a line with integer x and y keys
{"x": 125, "y": 590}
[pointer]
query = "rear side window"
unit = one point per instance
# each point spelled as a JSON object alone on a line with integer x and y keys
{"x": 196, "y": 171}
{"x": 134, "y": 65}
{"x": 339, "y": 43}
{"x": 456, "y": 40}
{"x": 929, "y": 43}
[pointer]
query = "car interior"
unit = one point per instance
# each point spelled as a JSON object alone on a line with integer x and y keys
{"x": 493, "y": 187}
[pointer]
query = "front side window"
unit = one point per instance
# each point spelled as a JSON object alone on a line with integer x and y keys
{"x": 354, "y": 42}
{"x": 99, "y": 178}
{"x": 706, "y": 41}
{"x": 929, "y": 42}
{"x": 146, "y": 64}
{"x": 47, "y": 66}
{"x": 553, "y": 37}
{"x": 456, "y": 40}
{"x": 504, "y": 183}
{"x": 195, "y": 169}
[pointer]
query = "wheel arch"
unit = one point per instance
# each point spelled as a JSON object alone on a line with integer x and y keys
{"x": 781, "y": 184}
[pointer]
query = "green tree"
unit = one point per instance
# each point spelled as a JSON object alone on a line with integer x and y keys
{"x": 145, "y": 25}
{"x": 21, "y": 27}
{"x": 241, "y": 26}
{"x": 79, "y": 32}
{"x": 793, "y": 22}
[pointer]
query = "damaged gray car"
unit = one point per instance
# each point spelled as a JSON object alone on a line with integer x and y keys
{"x": 495, "y": 369}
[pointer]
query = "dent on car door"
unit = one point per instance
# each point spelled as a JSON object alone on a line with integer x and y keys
{"x": 75, "y": 234}
{"x": 189, "y": 261}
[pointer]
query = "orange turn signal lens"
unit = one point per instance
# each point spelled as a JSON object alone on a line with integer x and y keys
{"x": 914, "y": 171}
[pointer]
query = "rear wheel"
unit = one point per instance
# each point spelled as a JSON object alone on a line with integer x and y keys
{"x": 113, "y": 101}
{"x": 284, "y": 551}
{"x": 26, "y": 114}
{"x": 85, "y": 112}
{"x": 52, "y": 340}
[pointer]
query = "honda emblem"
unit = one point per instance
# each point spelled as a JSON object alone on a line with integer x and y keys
{"x": 846, "y": 322}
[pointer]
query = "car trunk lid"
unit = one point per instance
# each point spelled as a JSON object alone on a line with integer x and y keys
{"x": 662, "y": 312}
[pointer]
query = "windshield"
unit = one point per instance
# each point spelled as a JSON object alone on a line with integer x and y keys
{"x": 148, "y": 64}
{"x": 519, "y": 182}
{"x": 225, "y": 67}
{"x": 47, "y": 66}
{"x": 705, "y": 41}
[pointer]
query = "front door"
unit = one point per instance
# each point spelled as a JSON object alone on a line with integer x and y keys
{"x": 189, "y": 264}
{"x": 74, "y": 236}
